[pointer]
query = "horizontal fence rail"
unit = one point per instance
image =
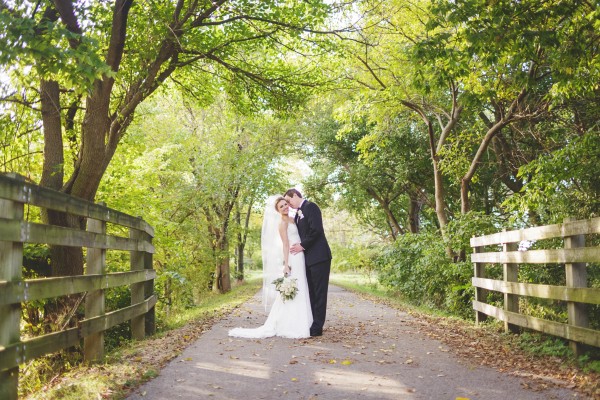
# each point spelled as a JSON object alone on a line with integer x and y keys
{"x": 503, "y": 248}
{"x": 15, "y": 193}
{"x": 17, "y": 190}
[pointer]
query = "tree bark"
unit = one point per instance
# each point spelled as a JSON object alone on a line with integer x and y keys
{"x": 414, "y": 210}
{"x": 52, "y": 170}
{"x": 241, "y": 240}
{"x": 222, "y": 283}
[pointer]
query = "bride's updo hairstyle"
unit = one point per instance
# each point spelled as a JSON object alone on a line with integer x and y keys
{"x": 277, "y": 200}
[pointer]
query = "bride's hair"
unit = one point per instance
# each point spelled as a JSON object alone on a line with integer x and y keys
{"x": 277, "y": 200}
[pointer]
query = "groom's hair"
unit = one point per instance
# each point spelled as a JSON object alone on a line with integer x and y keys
{"x": 293, "y": 192}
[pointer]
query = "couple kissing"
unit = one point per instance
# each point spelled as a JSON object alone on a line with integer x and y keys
{"x": 293, "y": 245}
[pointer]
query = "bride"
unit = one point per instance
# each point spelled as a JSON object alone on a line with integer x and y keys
{"x": 289, "y": 318}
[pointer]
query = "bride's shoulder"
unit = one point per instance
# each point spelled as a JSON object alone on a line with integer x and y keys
{"x": 285, "y": 221}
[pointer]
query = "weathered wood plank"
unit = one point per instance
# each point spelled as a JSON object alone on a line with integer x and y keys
{"x": 37, "y": 289}
{"x": 28, "y": 232}
{"x": 11, "y": 259}
{"x": 136, "y": 262}
{"x": 104, "y": 322}
{"x": 581, "y": 295}
{"x": 150, "y": 317}
{"x": 582, "y": 227}
{"x": 26, "y": 350}
{"x": 480, "y": 294}
{"x": 93, "y": 344}
{"x": 569, "y": 332}
{"x": 511, "y": 274}
{"x": 576, "y": 276}
{"x": 12, "y": 189}
{"x": 558, "y": 256}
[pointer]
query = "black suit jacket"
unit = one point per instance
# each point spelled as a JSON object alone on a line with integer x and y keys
{"x": 312, "y": 235}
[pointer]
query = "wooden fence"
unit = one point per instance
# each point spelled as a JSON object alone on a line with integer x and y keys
{"x": 574, "y": 255}
{"x": 15, "y": 193}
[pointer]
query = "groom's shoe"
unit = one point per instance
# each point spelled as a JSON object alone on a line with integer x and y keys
{"x": 316, "y": 333}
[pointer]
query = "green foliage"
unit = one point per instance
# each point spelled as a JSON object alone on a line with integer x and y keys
{"x": 542, "y": 345}
{"x": 354, "y": 258}
{"x": 36, "y": 374}
{"x": 465, "y": 226}
{"x": 417, "y": 267}
{"x": 563, "y": 183}
{"x": 590, "y": 364}
{"x": 44, "y": 44}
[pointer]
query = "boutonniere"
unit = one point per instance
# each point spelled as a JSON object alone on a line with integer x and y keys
{"x": 300, "y": 215}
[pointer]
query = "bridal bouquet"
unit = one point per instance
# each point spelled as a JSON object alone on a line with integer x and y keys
{"x": 287, "y": 287}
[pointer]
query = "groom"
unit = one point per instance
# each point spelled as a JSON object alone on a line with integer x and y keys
{"x": 317, "y": 255}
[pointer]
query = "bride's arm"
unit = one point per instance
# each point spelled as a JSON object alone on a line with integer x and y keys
{"x": 286, "y": 246}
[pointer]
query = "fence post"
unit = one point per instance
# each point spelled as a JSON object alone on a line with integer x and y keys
{"x": 150, "y": 319}
{"x": 11, "y": 262}
{"x": 576, "y": 276}
{"x": 480, "y": 294}
{"x": 136, "y": 261}
{"x": 93, "y": 345}
{"x": 510, "y": 274}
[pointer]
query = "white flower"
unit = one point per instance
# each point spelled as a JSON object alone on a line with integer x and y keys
{"x": 300, "y": 215}
{"x": 287, "y": 287}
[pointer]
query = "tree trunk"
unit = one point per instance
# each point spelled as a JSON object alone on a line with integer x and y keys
{"x": 414, "y": 210}
{"x": 240, "y": 260}
{"x": 53, "y": 167}
{"x": 440, "y": 201}
{"x": 222, "y": 283}
{"x": 239, "y": 249}
{"x": 242, "y": 241}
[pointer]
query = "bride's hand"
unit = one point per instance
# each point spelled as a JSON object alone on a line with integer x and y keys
{"x": 287, "y": 270}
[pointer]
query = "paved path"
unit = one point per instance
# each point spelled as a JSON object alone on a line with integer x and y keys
{"x": 368, "y": 351}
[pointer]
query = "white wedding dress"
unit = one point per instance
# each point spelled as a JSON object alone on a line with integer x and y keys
{"x": 291, "y": 318}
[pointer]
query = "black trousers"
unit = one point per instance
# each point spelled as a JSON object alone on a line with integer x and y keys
{"x": 317, "y": 276}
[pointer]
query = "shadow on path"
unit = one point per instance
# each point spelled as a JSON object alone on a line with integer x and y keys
{"x": 368, "y": 351}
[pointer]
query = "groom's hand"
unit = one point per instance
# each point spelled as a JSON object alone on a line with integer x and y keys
{"x": 296, "y": 248}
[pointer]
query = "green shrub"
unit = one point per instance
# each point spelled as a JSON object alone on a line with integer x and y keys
{"x": 418, "y": 268}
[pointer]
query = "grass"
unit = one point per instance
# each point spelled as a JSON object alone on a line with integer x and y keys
{"x": 136, "y": 362}
{"x": 369, "y": 286}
